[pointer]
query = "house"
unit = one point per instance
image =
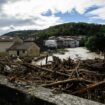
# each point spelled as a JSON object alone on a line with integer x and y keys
{"x": 60, "y": 42}
{"x": 24, "y": 49}
{"x": 72, "y": 41}
{"x": 51, "y": 43}
{"x": 6, "y": 42}
{"x": 69, "y": 42}
{"x": 63, "y": 41}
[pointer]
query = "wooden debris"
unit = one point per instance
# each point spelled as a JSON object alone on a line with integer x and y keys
{"x": 90, "y": 87}
{"x": 83, "y": 78}
{"x": 44, "y": 69}
{"x": 67, "y": 81}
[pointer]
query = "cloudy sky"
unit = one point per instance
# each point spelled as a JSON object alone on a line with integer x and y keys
{"x": 40, "y": 14}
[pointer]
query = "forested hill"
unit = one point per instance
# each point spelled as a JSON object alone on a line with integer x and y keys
{"x": 63, "y": 29}
{"x": 22, "y": 34}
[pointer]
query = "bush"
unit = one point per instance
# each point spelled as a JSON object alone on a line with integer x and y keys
{"x": 96, "y": 43}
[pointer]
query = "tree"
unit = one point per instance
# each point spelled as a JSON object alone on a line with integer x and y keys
{"x": 96, "y": 43}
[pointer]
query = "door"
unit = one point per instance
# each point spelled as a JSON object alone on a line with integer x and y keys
{"x": 17, "y": 52}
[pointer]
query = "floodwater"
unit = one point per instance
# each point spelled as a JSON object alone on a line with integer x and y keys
{"x": 75, "y": 54}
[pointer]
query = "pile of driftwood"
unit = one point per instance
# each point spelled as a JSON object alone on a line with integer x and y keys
{"x": 81, "y": 78}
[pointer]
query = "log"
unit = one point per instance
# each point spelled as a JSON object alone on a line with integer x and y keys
{"x": 44, "y": 69}
{"x": 67, "y": 81}
{"x": 90, "y": 87}
{"x": 76, "y": 70}
{"x": 83, "y": 70}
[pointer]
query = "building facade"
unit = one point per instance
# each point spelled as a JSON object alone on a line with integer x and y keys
{"x": 24, "y": 49}
{"x": 6, "y": 42}
{"x": 63, "y": 41}
{"x": 51, "y": 43}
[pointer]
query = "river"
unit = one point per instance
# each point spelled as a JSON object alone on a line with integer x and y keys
{"x": 74, "y": 53}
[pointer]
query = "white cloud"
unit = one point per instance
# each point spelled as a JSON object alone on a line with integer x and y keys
{"x": 42, "y": 22}
{"x": 33, "y": 10}
{"x": 30, "y": 8}
{"x": 98, "y": 14}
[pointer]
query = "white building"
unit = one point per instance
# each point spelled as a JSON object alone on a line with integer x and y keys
{"x": 51, "y": 43}
{"x": 69, "y": 42}
{"x": 63, "y": 41}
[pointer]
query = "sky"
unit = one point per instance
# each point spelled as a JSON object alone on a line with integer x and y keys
{"x": 41, "y": 14}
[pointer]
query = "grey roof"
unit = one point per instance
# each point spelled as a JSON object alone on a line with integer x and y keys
{"x": 7, "y": 39}
{"x": 23, "y": 46}
{"x": 30, "y": 39}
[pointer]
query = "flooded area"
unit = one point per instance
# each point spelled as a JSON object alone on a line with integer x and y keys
{"x": 74, "y": 53}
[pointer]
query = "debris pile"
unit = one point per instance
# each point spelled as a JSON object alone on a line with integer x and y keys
{"x": 84, "y": 78}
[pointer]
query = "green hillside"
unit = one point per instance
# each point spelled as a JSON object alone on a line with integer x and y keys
{"x": 63, "y": 29}
{"x": 22, "y": 34}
